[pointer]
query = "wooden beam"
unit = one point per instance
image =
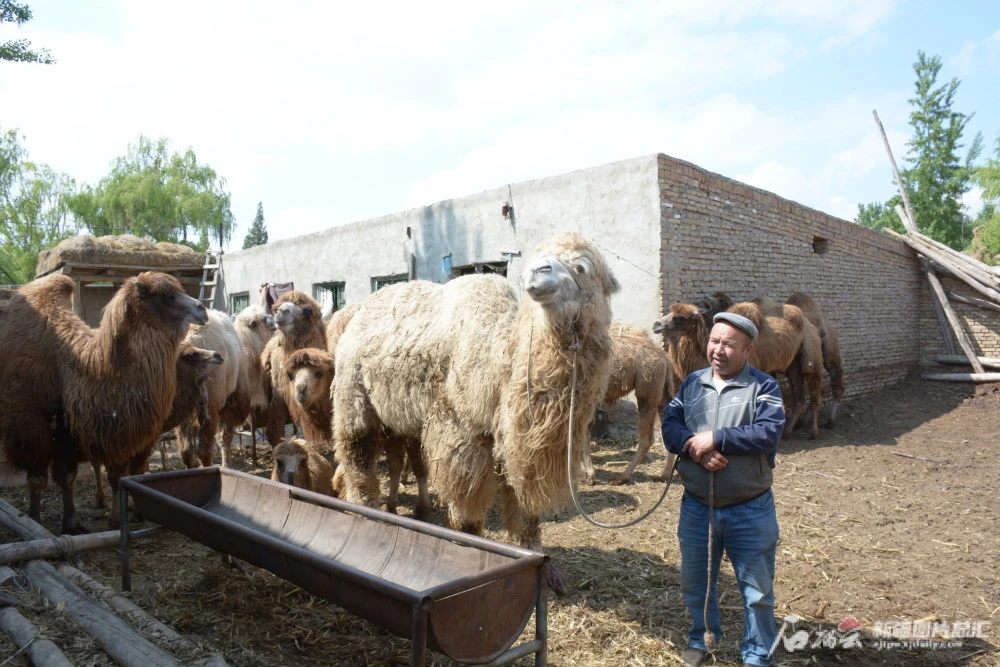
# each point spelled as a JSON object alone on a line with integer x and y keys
{"x": 910, "y": 221}
{"x": 959, "y": 360}
{"x": 972, "y": 301}
{"x": 963, "y": 377}
{"x": 956, "y": 325}
{"x": 948, "y": 266}
{"x": 42, "y": 652}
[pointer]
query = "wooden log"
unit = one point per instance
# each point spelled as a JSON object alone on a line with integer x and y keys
{"x": 959, "y": 360}
{"x": 973, "y": 301}
{"x": 65, "y": 545}
{"x": 965, "y": 263}
{"x": 147, "y": 624}
{"x": 956, "y": 326}
{"x": 908, "y": 221}
{"x": 6, "y": 573}
{"x": 948, "y": 250}
{"x": 963, "y": 377}
{"x": 20, "y": 523}
{"x": 121, "y": 642}
{"x": 42, "y": 652}
{"x": 949, "y": 266}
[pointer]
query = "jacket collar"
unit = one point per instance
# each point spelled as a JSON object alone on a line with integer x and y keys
{"x": 742, "y": 378}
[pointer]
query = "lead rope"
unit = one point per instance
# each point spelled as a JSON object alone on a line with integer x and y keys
{"x": 709, "y": 636}
{"x": 575, "y": 347}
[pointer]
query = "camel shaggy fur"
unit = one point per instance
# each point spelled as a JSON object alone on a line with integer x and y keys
{"x": 337, "y": 323}
{"x": 299, "y": 322}
{"x": 254, "y": 327}
{"x": 830, "y": 341}
{"x": 73, "y": 393}
{"x": 196, "y": 435}
{"x": 484, "y": 382}
{"x": 640, "y": 365}
{"x": 296, "y": 463}
{"x": 787, "y": 343}
{"x": 685, "y": 337}
{"x": 194, "y": 366}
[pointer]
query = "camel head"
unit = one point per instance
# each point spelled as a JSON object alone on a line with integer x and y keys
{"x": 568, "y": 275}
{"x": 295, "y": 310}
{"x": 197, "y": 362}
{"x": 291, "y": 463}
{"x": 160, "y": 300}
{"x": 310, "y": 372}
{"x": 257, "y": 321}
{"x": 682, "y": 318}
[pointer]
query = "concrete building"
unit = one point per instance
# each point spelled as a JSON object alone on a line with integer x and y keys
{"x": 670, "y": 231}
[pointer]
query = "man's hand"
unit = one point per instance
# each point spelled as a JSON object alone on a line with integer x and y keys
{"x": 700, "y": 444}
{"x": 713, "y": 461}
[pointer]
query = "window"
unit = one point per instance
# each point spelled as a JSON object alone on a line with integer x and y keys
{"x": 238, "y": 301}
{"x": 330, "y": 296}
{"x": 499, "y": 268}
{"x": 383, "y": 281}
{"x": 820, "y": 245}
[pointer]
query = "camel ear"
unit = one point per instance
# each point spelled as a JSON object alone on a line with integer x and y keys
{"x": 307, "y": 310}
{"x": 141, "y": 289}
{"x": 611, "y": 285}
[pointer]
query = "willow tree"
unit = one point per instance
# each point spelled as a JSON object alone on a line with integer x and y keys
{"x": 158, "y": 194}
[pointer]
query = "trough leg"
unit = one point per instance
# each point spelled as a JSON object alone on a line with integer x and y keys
{"x": 123, "y": 527}
{"x": 542, "y": 620}
{"x": 418, "y": 646}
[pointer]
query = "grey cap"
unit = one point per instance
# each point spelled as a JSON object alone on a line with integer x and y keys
{"x": 738, "y": 321}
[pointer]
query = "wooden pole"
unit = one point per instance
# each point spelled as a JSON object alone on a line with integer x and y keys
{"x": 956, "y": 326}
{"x": 64, "y": 545}
{"x": 959, "y": 360}
{"x": 948, "y": 266}
{"x": 963, "y": 377}
{"x": 910, "y": 224}
{"x": 932, "y": 248}
{"x": 149, "y": 625}
{"x": 42, "y": 652}
{"x": 121, "y": 642}
{"x": 972, "y": 301}
{"x": 20, "y": 524}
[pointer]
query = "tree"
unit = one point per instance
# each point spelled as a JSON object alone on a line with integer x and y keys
{"x": 935, "y": 179}
{"x": 986, "y": 236}
{"x": 19, "y": 50}
{"x": 257, "y": 234}
{"x": 34, "y": 214}
{"x": 160, "y": 195}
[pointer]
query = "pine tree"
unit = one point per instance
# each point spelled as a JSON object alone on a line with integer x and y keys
{"x": 258, "y": 233}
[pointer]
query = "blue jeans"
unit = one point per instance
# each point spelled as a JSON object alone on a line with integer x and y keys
{"x": 749, "y": 534}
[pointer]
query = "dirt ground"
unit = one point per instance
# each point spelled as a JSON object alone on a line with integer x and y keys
{"x": 891, "y": 516}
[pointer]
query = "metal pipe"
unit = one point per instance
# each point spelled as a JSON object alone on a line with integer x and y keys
{"x": 123, "y": 528}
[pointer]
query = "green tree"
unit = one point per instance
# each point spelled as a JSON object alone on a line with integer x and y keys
{"x": 258, "y": 233}
{"x": 34, "y": 214}
{"x": 157, "y": 194}
{"x": 935, "y": 177}
{"x": 986, "y": 236}
{"x": 19, "y": 50}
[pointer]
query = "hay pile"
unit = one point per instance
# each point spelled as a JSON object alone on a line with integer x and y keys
{"x": 125, "y": 250}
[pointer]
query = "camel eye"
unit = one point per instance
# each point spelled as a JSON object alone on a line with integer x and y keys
{"x": 253, "y": 324}
{"x": 317, "y": 374}
{"x": 291, "y": 377}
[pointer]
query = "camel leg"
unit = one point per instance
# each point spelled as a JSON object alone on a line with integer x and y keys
{"x": 814, "y": 385}
{"x": 64, "y": 465}
{"x": 797, "y": 402}
{"x": 647, "y": 424}
{"x": 277, "y": 417}
{"x": 360, "y": 483}
{"x": 115, "y": 472}
{"x": 588, "y": 465}
{"x": 225, "y": 445}
{"x": 100, "y": 501}
{"x": 395, "y": 457}
{"x": 419, "y": 468}
{"x": 36, "y": 485}
{"x": 187, "y": 439}
{"x": 527, "y": 529}
{"x": 206, "y": 440}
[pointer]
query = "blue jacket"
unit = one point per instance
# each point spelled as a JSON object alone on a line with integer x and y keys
{"x": 747, "y": 419}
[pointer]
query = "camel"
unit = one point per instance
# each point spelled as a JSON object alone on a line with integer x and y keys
{"x": 73, "y": 393}
{"x": 830, "y": 341}
{"x": 297, "y": 316}
{"x": 297, "y": 463}
{"x": 486, "y": 383}
{"x": 685, "y": 340}
{"x": 254, "y": 327}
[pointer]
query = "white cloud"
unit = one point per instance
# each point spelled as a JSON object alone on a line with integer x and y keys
{"x": 977, "y": 54}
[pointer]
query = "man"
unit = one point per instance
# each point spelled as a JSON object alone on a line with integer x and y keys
{"x": 724, "y": 424}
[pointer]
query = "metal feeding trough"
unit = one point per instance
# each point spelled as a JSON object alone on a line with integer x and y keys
{"x": 464, "y": 596}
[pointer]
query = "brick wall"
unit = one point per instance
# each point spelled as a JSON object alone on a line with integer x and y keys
{"x": 720, "y": 234}
{"x": 982, "y": 326}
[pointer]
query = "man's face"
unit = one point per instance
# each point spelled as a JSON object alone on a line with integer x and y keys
{"x": 728, "y": 349}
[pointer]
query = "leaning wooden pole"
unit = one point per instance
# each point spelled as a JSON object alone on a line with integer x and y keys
{"x": 911, "y": 226}
{"x": 963, "y": 377}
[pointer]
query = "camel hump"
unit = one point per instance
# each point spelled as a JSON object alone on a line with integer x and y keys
{"x": 749, "y": 310}
{"x": 793, "y": 315}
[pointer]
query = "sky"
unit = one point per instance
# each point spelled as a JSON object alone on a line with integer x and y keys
{"x": 330, "y": 113}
